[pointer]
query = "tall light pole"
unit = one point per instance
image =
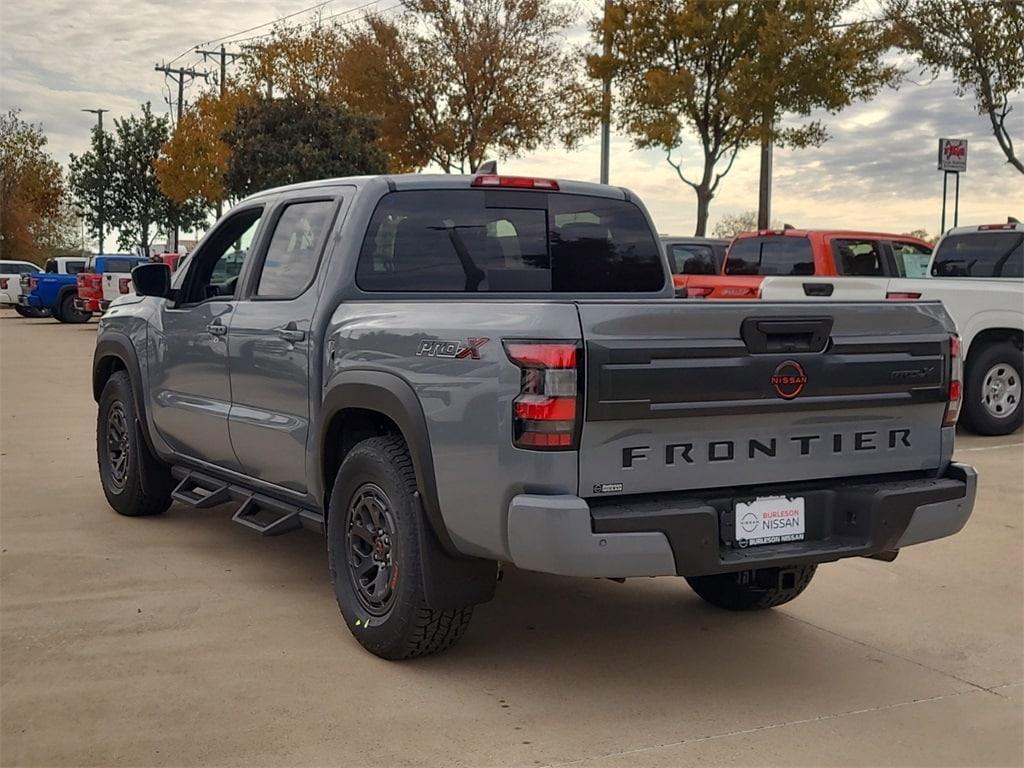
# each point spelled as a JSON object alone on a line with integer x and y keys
{"x": 101, "y": 203}
{"x": 606, "y": 99}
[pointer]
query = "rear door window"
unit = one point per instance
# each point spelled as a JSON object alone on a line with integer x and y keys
{"x": 294, "y": 249}
{"x": 508, "y": 241}
{"x": 693, "y": 259}
{"x": 988, "y": 254}
{"x": 857, "y": 257}
{"x": 773, "y": 255}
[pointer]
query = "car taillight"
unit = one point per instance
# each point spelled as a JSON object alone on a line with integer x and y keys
{"x": 518, "y": 182}
{"x": 32, "y": 283}
{"x": 124, "y": 284}
{"x": 697, "y": 292}
{"x": 902, "y": 295}
{"x": 956, "y": 370}
{"x": 3, "y": 283}
{"x": 545, "y": 414}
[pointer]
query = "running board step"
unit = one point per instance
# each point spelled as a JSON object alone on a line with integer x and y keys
{"x": 257, "y": 511}
{"x": 265, "y": 519}
{"x": 201, "y": 492}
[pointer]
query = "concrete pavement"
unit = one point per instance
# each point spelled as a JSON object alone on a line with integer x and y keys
{"x": 187, "y": 640}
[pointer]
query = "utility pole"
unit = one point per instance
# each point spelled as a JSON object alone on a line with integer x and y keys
{"x": 764, "y": 197}
{"x": 101, "y": 207}
{"x": 224, "y": 57}
{"x": 179, "y": 75}
{"x": 606, "y": 99}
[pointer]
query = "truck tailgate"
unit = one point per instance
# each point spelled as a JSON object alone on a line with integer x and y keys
{"x": 784, "y": 288}
{"x": 686, "y": 395}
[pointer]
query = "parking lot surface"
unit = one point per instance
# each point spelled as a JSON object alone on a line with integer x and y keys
{"x": 188, "y": 640}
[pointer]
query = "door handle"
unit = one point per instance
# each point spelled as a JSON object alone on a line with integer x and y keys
{"x": 216, "y": 329}
{"x": 818, "y": 289}
{"x": 290, "y": 333}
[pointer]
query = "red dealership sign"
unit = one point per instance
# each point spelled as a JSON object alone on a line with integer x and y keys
{"x": 953, "y": 155}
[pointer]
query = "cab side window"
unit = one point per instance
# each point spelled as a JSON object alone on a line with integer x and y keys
{"x": 294, "y": 249}
{"x": 911, "y": 259}
{"x": 214, "y": 270}
{"x": 861, "y": 258}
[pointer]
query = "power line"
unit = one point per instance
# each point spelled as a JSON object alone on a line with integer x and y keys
{"x": 329, "y": 18}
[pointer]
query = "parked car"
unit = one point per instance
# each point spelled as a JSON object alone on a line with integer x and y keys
{"x": 105, "y": 277}
{"x": 805, "y": 253}
{"x": 10, "y": 286}
{"x": 54, "y": 289}
{"x": 980, "y": 280}
{"x": 446, "y": 372}
{"x": 170, "y": 258}
{"x": 694, "y": 256}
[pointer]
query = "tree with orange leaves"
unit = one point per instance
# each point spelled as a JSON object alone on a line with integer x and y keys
{"x": 193, "y": 163}
{"x": 33, "y": 210}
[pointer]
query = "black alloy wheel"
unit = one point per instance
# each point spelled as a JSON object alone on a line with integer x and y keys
{"x": 118, "y": 445}
{"x": 372, "y": 546}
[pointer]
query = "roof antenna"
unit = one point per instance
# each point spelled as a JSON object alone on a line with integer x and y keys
{"x": 489, "y": 168}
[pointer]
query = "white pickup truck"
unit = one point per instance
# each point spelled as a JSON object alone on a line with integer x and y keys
{"x": 977, "y": 272}
{"x": 10, "y": 285}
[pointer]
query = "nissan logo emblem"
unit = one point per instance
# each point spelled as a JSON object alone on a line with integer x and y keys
{"x": 789, "y": 379}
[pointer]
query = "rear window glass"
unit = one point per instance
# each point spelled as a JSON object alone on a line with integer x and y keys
{"x": 693, "y": 259}
{"x": 508, "y": 241}
{"x": 74, "y": 267}
{"x": 992, "y": 254}
{"x": 779, "y": 255}
{"x": 120, "y": 265}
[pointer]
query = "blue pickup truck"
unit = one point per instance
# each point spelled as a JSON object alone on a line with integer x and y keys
{"x": 55, "y": 289}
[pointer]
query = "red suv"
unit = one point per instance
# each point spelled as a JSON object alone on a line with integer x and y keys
{"x": 808, "y": 253}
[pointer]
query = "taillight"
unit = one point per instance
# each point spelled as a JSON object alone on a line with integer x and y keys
{"x": 3, "y": 283}
{"x": 697, "y": 292}
{"x": 517, "y": 182}
{"x": 124, "y": 284}
{"x": 902, "y": 295}
{"x": 32, "y": 283}
{"x": 545, "y": 414}
{"x": 956, "y": 370}
{"x": 990, "y": 227}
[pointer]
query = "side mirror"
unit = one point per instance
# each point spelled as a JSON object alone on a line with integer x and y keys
{"x": 152, "y": 280}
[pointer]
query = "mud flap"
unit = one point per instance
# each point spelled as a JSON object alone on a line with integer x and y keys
{"x": 453, "y": 582}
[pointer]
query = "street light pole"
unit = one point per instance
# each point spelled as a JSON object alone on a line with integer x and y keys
{"x": 101, "y": 207}
{"x": 606, "y": 99}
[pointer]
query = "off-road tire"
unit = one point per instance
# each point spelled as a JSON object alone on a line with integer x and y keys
{"x": 30, "y": 311}
{"x": 976, "y": 416}
{"x": 753, "y": 590}
{"x": 68, "y": 313}
{"x": 408, "y": 627}
{"x": 147, "y": 482}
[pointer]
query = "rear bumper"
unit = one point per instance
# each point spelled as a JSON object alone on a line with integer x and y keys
{"x": 689, "y": 535}
{"x": 28, "y": 300}
{"x": 87, "y": 305}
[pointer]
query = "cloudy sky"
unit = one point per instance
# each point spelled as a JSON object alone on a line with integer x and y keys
{"x": 58, "y": 57}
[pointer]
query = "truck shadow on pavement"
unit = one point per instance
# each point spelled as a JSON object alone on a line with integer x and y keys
{"x": 559, "y": 637}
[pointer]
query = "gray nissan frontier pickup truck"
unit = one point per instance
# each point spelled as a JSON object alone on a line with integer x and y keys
{"x": 446, "y": 373}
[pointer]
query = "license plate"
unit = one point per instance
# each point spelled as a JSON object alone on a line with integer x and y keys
{"x": 769, "y": 520}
